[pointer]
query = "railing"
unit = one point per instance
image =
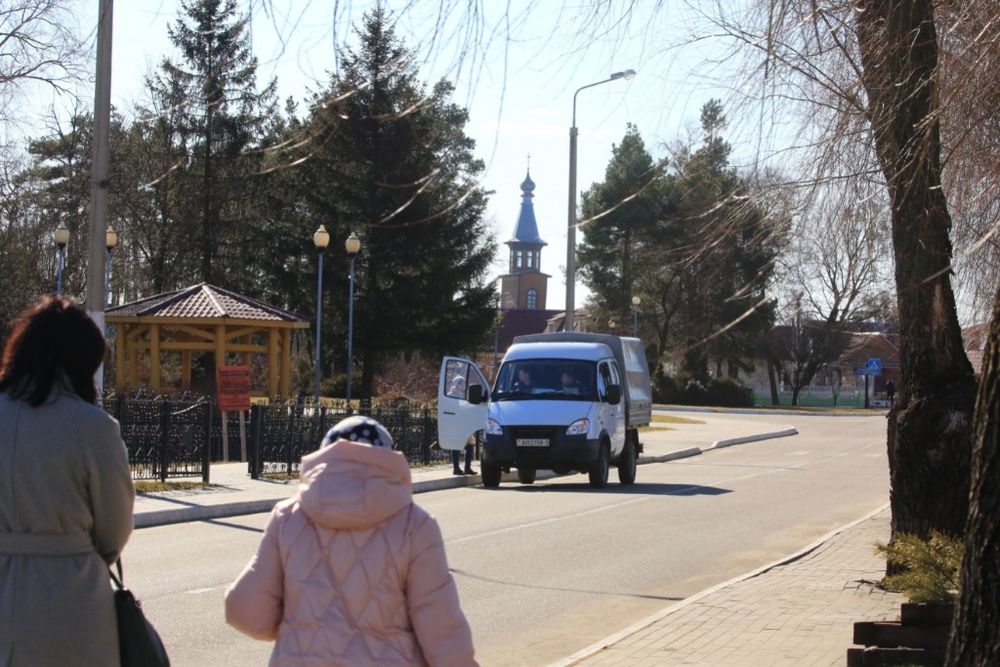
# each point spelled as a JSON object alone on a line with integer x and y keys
{"x": 179, "y": 437}
{"x": 164, "y": 438}
{"x": 282, "y": 433}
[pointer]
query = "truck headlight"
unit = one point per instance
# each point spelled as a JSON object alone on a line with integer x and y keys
{"x": 493, "y": 427}
{"x": 579, "y": 427}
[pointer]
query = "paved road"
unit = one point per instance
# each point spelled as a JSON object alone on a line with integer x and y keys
{"x": 547, "y": 569}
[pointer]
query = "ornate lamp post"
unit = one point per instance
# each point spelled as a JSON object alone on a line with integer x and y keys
{"x": 636, "y": 302}
{"x": 321, "y": 239}
{"x": 61, "y": 238}
{"x": 353, "y": 246}
{"x": 569, "y": 324}
{"x": 110, "y": 243}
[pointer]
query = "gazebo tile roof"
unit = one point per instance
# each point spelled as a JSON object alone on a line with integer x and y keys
{"x": 203, "y": 301}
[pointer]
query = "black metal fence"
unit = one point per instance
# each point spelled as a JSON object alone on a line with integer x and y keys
{"x": 164, "y": 437}
{"x": 282, "y": 433}
{"x": 179, "y": 437}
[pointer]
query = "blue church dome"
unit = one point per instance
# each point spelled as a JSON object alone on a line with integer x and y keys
{"x": 526, "y": 231}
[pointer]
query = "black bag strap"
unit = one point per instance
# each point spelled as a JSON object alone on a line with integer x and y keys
{"x": 120, "y": 579}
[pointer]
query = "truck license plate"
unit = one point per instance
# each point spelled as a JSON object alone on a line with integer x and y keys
{"x": 532, "y": 442}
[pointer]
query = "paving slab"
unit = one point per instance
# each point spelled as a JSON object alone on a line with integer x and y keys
{"x": 799, "y": 611}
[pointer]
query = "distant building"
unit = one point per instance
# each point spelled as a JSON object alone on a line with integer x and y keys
{"x": 524, "y": 288}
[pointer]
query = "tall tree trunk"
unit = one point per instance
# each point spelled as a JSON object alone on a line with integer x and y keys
{"x": 773, "y": 381}
{"x": 930, "y": 427}
{"x": 975, "y": 635}
{"x": 208, "y": 217}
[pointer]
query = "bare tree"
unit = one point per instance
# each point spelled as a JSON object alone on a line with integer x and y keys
{"x": 38, "y": 46}
{"x": 836, "y": 274}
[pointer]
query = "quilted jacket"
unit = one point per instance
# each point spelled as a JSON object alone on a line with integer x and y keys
{"x": 351, "y": 572}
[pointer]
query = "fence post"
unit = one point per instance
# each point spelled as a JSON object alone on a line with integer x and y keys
{"x": 322, "y": 426}
{"x": 425, "y": 440}
{"x": 164, "y": 438}
{"x": 404, "y": 428}
{"x": 206, "y": 450}
{"x": 256, "y": 417}
{"x": 288, "y": 439}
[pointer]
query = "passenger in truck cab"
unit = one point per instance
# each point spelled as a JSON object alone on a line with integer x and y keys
{"x": 570, "y": 385}
{"x": 523, "y": 382}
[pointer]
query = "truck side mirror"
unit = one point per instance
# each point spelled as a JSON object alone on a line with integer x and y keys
{"x": 613, "y": 394}
{"x": 476, "y": 394}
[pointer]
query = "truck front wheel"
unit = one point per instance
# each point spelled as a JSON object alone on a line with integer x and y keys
{"x": 491, "y": 475}
{"x": 599, "y": 471}
{"x": 526, "y": 475}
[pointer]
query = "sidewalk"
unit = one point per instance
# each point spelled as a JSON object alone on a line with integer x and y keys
{"x": 798, "y": 612}
{"x": 237, "y": 494}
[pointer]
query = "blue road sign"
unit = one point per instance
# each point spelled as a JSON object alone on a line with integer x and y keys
{"x": 874, "y": 366}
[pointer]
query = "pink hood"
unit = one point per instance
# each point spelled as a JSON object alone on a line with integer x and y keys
{"x": 352, "y": 486}
{"x": 351, "y": 572}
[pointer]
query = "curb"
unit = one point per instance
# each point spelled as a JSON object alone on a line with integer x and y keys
{"x": 785, "y": 432}
{"x": 602, "y": 644}
{"x": 222, "y": 510}
{"x": 860, "y": 412}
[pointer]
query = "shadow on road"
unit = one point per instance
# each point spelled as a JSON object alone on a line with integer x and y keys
{"x": 227, "y": 524}
{"x": 587, "y": 591}
{"x": 638, "y": 489}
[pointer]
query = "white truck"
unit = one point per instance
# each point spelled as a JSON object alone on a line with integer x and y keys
{"x": 561, "y": 402}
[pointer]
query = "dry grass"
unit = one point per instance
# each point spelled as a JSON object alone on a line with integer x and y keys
{"x": 151, "y": 486}
{"x": 670, "y": 419}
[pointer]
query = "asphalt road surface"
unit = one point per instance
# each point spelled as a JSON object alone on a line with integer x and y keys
{"x": 545, "y": 570}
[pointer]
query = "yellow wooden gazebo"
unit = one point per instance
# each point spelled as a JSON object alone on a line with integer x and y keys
{"x": 201, "y": 318}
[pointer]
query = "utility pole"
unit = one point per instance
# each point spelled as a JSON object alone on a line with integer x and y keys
{"x": 99, "y": 177}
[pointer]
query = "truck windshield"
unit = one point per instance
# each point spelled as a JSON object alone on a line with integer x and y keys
{"x": 546, "y": 379}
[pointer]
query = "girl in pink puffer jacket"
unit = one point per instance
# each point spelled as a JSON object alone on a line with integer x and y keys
{"x": 350, "y": 571}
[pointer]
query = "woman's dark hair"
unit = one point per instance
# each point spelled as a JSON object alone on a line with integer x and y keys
{"x": 53, "y": 341}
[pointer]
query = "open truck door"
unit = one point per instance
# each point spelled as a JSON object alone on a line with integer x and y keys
{"x": 463, "y": 398}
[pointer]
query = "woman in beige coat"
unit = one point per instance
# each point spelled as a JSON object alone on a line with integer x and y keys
{"x": 351, "y": 573}
{"x": 65, "y": 494}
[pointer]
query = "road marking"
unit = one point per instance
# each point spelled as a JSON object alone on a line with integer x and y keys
{"x": 197, "y": 591}
{"x": 801, "y": 452}
{"x": 542, "y": 522}
{"x": 682, "y": 490}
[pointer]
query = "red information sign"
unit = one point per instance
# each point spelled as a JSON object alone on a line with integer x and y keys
{"x": 234, "y": 388}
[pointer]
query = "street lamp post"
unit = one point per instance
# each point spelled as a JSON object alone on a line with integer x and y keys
{"x": 321, "y": 239}
{"x": 61, "y": 238}
{"x": 635, "y": 316}
{"x": 352, "y": 245}
{"x": 571, "y": 231}
{"x": 110, "y": 243}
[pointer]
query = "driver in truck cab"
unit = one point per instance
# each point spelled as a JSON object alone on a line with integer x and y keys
{"x": 523, "y": 381}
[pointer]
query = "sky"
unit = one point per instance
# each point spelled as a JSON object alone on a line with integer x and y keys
{"x": 517, "y": 84}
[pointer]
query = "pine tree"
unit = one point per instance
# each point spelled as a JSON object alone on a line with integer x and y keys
{"x": 213, "y": 114}
{"x": 389, "y": 159}
{"x": 615, "y": 227}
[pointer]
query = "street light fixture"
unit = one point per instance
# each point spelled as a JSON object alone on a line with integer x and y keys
{"x": 321, "y": 239}
{"x": 110, "y": 243}
{"x": 636, "y": 301}
{"x": 569, "y": 324}
{"x": 353, "y": 246}
{"x": 61, "y": 238}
